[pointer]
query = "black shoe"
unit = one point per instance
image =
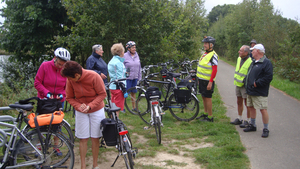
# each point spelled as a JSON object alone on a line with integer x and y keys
{"x": 202, "y": 116}
{"x": 245, "y": 124}
{"x": 237, "y": 121}
{"x": 250, "y": 127}
{"x": 265, "y": 133}
{"x": 208, "y": 119}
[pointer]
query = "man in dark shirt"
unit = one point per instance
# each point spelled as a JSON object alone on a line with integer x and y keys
{"x": 258, "y": 81}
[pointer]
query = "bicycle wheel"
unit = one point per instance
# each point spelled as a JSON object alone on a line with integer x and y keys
{"x": 128, "y": 158}
{"x": 132, "y": 99}
{"x": 145, "y": 113}
{"x": 157, "y": 129}
{"x": 184, "y": 111}
{"x": 24, "y": 153}
{"x": 64, "y": 129}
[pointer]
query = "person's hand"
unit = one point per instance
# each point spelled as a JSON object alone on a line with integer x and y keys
{"x": 125, "y": 95}
{"x": 59, "y": 97}
{"x": 87, "y": 108}
{"x": 82, "y": 107}
{"x": 49, "y": 95}
{"x": 209, "y": 85}
{"x": 103, "y": 76}
{"x": 255, "y": 84}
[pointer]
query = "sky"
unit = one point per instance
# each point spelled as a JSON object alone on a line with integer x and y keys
{"x": 288, "y": 8}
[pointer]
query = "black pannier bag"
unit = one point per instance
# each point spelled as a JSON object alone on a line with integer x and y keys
{"x": 153, "y": 91}
{"x": 109, "y": 131}
{"x": 44, "y": 106}
{"x": 183, "y": 92}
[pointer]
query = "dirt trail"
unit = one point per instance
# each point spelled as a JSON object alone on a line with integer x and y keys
{"x": 162, "y": 159}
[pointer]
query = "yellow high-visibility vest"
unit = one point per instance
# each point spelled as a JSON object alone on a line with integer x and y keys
{"x": 204, "y": 70}
{"x": 240, "y": 73}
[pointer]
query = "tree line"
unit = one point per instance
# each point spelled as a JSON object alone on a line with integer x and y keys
{"x": 162, "y": 29}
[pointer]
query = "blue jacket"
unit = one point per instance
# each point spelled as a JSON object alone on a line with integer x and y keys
{"x": 116, "y": 70}
{"x": 260, "y": 72}
{"x": 97, "y": 64}
{"x": 134, "y": 65}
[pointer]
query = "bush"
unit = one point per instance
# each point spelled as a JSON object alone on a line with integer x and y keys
{"x": 288, "y": 67}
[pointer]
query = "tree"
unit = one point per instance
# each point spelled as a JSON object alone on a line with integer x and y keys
{"x": 219, "y": 11}
{"x": 161, "y": 29}
{"x": 30, "y": 28}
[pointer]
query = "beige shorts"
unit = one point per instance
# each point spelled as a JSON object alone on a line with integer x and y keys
{"x": 88, "y": 125}
{"x": 258, "y": 102}
{"x": 241, "y": 92}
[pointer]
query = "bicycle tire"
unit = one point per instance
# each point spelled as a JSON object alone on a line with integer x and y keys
{"x": 184, "y": 111}
{"x": 24, "y": 153}
{"x": 145, "y": 115}
{"x": 157, "y": 128}
{"x": 128, "y": 158}
{"x": 65, "y": 130}
{"x": 131, "y": 102}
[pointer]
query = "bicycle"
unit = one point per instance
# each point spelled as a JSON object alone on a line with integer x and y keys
{"x": 33, "y": 148}
{"x": 183, "y": 109}
{"x": 153, "y": 95}
{"x": 130, "y": 101}
{"x": 117, "y": 134}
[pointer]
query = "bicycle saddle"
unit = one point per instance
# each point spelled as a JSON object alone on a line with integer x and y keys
{"x": 21, "y": 106}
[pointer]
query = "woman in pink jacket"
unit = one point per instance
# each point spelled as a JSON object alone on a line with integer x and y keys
{"x": 48, "y": 80}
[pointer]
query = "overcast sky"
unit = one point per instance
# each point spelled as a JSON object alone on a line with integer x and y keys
{"x": 288, "y": 8}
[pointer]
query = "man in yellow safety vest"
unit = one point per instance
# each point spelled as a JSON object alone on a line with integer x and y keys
{"x": 206, "y": 73}
{"x": 243, "y": 63}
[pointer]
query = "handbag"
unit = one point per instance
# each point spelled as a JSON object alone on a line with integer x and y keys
{"x": 46, "y": 119}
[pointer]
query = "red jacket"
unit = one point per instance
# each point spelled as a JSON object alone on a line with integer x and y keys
{"x": 89, "y": 89}
{"x": 48, "y": 79}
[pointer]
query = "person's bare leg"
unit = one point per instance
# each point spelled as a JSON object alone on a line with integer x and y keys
{"x": 248, "y": 109}
{"x": 83, "y": 150}
{"x": 265, "y": 116}
{"x": 207, "y": 105}
{"x": 95, "y": 151}
{"x": 240, "y": 105}
{"x": 133, "y": 99}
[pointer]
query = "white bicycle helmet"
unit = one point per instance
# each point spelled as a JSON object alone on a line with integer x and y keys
{"x": 62, "y": 53}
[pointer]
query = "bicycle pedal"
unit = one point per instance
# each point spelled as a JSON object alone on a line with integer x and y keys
{"x": 146, "y": 127}
{"x": 162, "y": 113}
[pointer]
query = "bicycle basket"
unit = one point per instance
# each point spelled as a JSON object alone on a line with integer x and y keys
{"x": 153, "y": 91}
{"x": 109, "y": 131}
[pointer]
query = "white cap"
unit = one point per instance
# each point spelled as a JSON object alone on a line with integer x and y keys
{"x": 260, "y": 47}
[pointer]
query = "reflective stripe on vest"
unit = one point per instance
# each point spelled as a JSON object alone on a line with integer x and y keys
{"x": 204, "y": 70}
{"x": 240, "y": 73}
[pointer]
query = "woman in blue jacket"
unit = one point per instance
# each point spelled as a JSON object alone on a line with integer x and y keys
{"x": 116, "y": 70}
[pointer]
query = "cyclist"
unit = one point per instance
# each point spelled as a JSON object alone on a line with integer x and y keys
{"x": 252, "y": 44}
{"x": 133, "y": 68}
{"x": 116, "y": 70}
{"x": 49, "y": 82}
{"x": 85, "y": 92}
{"x": 206, "y": 73}
{"x": 96, "y": 63}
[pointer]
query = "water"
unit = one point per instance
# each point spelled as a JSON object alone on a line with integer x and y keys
{"x": 2, "y": 58}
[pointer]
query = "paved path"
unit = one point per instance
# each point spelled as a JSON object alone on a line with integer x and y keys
{"x": 281, "y": 150}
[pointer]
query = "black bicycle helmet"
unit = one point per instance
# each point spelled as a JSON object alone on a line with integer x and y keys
{"x": 130, "y": 44}
{"x": 209, "y": 39}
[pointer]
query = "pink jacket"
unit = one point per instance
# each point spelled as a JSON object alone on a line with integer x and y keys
{"x": 49, "y": 79}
